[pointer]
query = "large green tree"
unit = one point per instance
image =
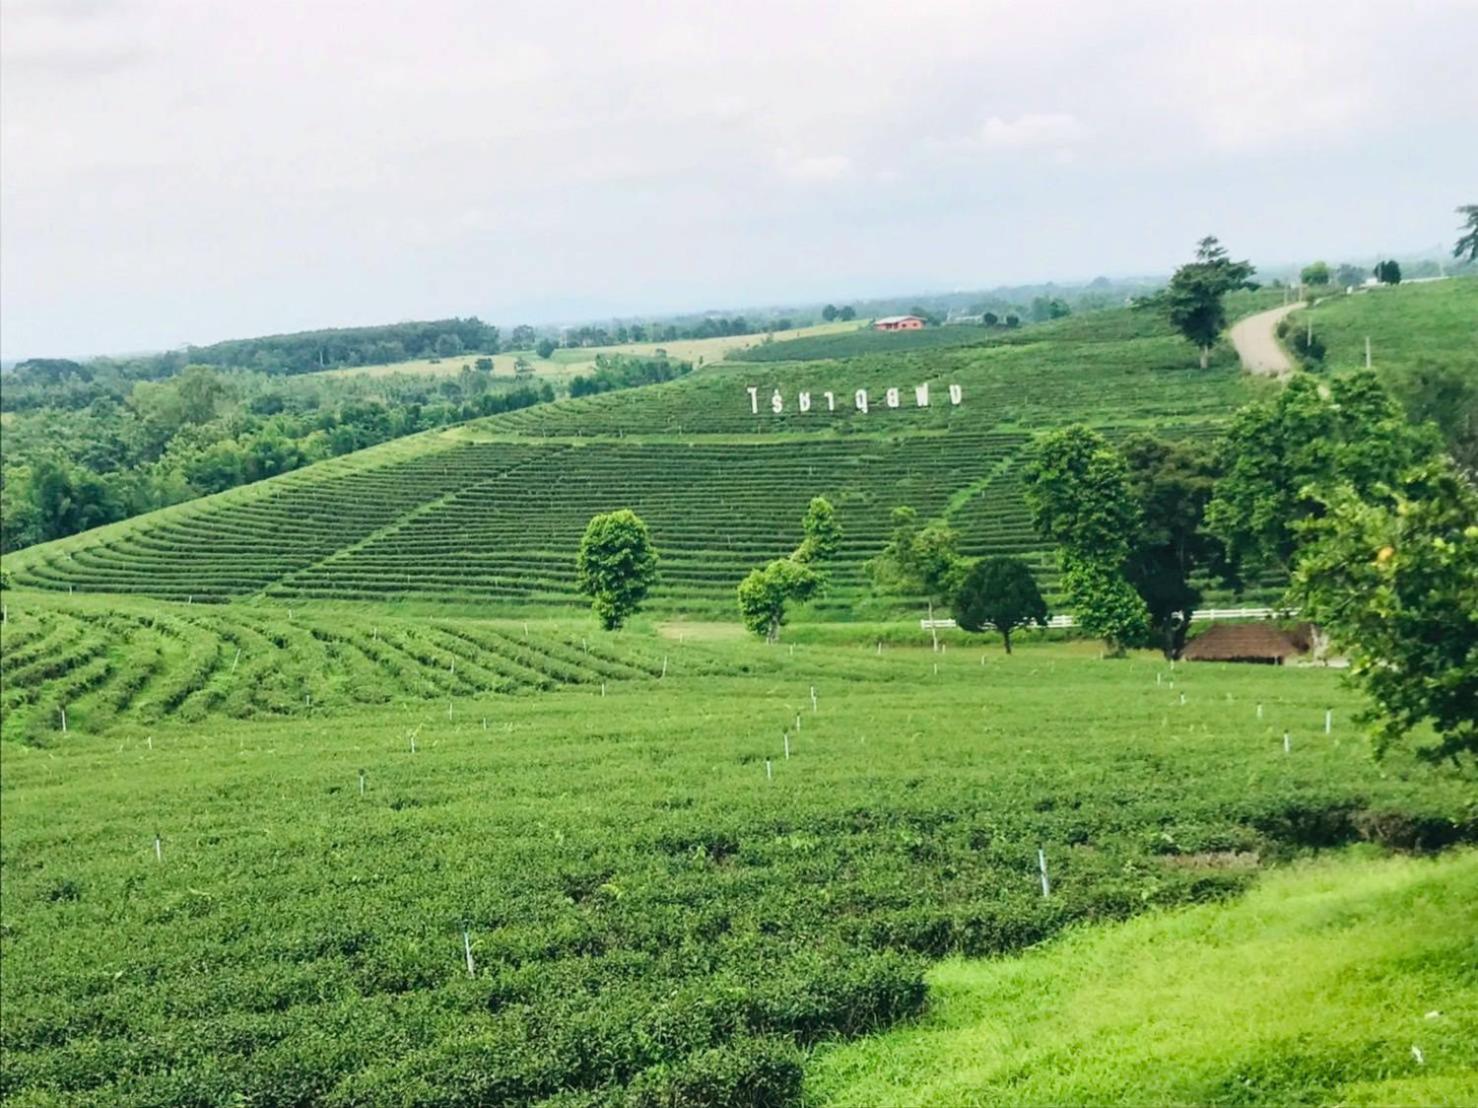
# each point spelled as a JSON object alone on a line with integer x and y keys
{"x": 1193, "y": 300}
{"x": 1392, "y": 575}
{"x": 999, "y": 593}
{"x": 1077, "y": 489}
{"x": 920, "y": 559}
{"x": 1314, "y": 432}
{"x": 1171, "y": 482}
{"x": 765, "y": 592}
{"x": 1467, "y": 243}
{"x": 616, "y": 566}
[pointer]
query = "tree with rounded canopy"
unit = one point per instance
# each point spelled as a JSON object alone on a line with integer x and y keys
{"x": 1349, "y": 275}
{"x": 764, "y": 593}
{"x": 1388, "y": 272}
{"x": 1392, "y": 576}
{"x": 999, "y": 593}
{"x": 545, "y": 347}
{"x": 1077, "y": 490}
{"x": 847, "y": 314}
{"x": 1193, "y": 299}
{"x": 919, "y": 560}
{"x": 616, "y": 566}
{"x": 1315, "y": 273}
{"x": 829, "y": 312}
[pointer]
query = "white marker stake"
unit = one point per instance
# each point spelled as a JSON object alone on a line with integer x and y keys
{"x": 1328, "y": 720}
{"x": 158, "y": 849}
{"x": 151, "y": 742}
{"x": 361, "y": 782}
{"x": 813, "y": 698}
{"x": 413, "y": 744}
{"x": 448, "y": 709}
{"x": 1157, "y": 678}
{"x": 467, "y": 949}
{"x": 787, "y": 747}
{"x": 664, "y": 665}
{"x": 1182, "y": 698}
{"x": 769, "y": 770}
{"x": 64, "y": 719}
{"x": 602, "y": 688}
{"x": 236, "y": 659}
{"x": 1042, "y": 865}
{"x": 880, "y": 648}
{"x": 797, "y": 723}
{"x": 1259, "y": 711}
{"x": 1287, "y": 743}
{"x": 525, "y": 632}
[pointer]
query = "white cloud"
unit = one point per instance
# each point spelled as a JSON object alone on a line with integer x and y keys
{"x": 814, "y": 167}
{"x": 1032, "y": 130}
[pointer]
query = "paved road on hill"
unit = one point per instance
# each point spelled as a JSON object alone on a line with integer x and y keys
{"x": 1257, "y": 344}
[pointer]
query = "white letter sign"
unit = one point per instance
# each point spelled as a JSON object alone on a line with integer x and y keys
{"x": 805, "y": 402}
{"x": 921, "y": 395}
{"x": 754, "y": 399}
{"x": 861, "y": 399}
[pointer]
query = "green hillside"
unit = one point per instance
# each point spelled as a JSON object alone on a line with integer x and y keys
{"x": 1338, "y": 982}
{"x": 493, "y": 512}
{"x": 1408, "y": 324}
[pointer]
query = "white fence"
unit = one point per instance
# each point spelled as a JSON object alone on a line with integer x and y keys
{"x": 1203, "y": 613}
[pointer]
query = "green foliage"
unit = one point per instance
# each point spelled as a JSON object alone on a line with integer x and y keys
{"x": 1172, "y": 483}
{"x": 1104, "y": 603}
{"x": 616, "y": 371}
{"x": 1194, "y": 300}
{"x": 1313, "y": 432}
{"x": 1348, "y": 276}
{"x": 823, "y": 533}
{"x": 545, "y": 347}
{"x": 1315, "y": 273}
{"x": 1446, "y": 397}
{"x": 764, "y": 593}
{"x": 1467, "y": 243}
{"x": 1391, "y": 573}
{"x": 999, "y": 593}
{"x": 924, "y": 560}
{"x": 1388, "y": 272}
{"x": 616, "y": 566}
{"x": 1077, "y": 490}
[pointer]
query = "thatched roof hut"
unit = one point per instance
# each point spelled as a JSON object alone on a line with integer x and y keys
{"x": 1264, "y": 643}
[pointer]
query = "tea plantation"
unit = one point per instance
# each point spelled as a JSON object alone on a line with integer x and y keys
{"x": 328, "y": 790}
{"x": 490, "y": 513}
{"x": 637, "y": 897}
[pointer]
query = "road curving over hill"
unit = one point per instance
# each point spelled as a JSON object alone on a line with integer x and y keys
{"x": 1256, "y": 341}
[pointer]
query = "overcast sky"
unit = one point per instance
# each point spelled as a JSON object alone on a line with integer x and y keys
{"x": 195, "y": 170}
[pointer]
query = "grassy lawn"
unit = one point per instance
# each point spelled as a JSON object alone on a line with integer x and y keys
{"x": 1343, "y": 980}
{"x": 1407, "y": 324}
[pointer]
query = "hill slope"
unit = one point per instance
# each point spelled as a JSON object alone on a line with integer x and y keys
{"x": 492, "y": 511}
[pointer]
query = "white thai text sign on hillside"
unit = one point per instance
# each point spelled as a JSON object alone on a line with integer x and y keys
{"x": 861, "y": 400}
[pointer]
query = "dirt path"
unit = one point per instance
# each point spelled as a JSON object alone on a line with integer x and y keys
{"x": 1257, "y": 343}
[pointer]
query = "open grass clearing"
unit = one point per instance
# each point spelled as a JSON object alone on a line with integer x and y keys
{"x": 1348, "y": 979}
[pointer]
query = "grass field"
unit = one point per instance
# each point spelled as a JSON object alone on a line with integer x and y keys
{"x": 661, "y": 907}
{"x": 568, "y": 362}
{"x": 1407, "y": 324}
{"x": 1341, "y": 981}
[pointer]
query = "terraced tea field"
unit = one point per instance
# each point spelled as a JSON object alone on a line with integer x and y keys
{"x": 491, "y": 513}
{"x": 78, "y": 664}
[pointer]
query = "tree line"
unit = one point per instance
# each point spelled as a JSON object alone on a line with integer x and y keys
{"x": 203, "y": 431}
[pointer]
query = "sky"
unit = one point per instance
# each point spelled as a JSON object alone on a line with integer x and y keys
{"x": 177, "y": 171}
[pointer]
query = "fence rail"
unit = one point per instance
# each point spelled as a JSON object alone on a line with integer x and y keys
{"x": 1203, "y": 613}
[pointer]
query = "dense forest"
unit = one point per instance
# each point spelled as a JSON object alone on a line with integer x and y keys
{"x": 135, "y": 446}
